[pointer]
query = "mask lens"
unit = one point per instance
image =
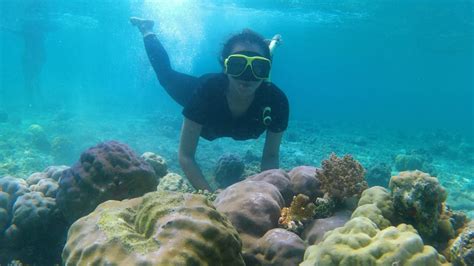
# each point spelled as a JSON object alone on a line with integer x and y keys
{"x": 236, "y": 65}
{"x": 261, "y": 68}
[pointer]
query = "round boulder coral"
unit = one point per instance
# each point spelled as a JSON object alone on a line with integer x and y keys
{"x": 253, "y": 207}
{"x": 304, "y": 181}
{"x": 279, "y": 179}
{"x": 277, "y": 247}
{"x": 108, "y": 171}
{"x": 160, "y": 228}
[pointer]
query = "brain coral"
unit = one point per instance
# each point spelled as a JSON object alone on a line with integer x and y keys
{"x": 160, "y": 228}
{"x": 417, "y": 199}
{"x": 360, "y": 242}
{"x": 108, "y": 171}
{"x": 342, "y": 178}
{"x": 32, "y": 227}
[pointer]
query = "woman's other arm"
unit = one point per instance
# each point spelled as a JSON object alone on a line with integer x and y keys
{"x": 271, "y": 151}
{"x": 190, "y": 133}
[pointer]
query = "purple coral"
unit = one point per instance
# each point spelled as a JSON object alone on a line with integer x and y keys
{"x": 108, "y": 171}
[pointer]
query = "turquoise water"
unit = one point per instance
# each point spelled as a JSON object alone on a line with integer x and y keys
{"x": 396, "y": 73}
{"x": 376, "y": 79}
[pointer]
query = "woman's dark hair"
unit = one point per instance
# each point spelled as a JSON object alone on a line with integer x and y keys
{"x": 247, "y": 36}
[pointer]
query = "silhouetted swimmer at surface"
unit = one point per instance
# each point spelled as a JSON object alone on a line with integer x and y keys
{"x": 240, "y": 103}
{"x": 32, "y": 28}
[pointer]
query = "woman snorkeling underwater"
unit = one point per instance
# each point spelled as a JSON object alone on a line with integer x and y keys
{"x": 240, "y": 103}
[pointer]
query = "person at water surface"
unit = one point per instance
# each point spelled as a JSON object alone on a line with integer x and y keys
{"x": 240, "y": 103}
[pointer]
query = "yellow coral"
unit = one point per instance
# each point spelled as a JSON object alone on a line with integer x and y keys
{"x": 360, "y": 242}
{"x": 300, "y": 210}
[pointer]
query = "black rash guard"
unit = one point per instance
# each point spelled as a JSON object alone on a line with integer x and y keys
{"x": 204, "y": 100}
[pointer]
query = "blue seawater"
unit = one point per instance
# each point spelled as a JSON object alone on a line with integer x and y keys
{"x": 390, "y": 82}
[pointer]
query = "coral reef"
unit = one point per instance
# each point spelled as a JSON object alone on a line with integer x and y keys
{"x": 315, "y": 230}
{"x": 417, "y": 200}
{"x": 462, "y": 249}
{"x": 381, "y": 198}
{"x": 379, "y": 175}
{"x": 276, "y": 247}
{"x": 304, "y": 181}
{"x": 369, "y": 239}
{"x": 160, "y": 228}
{"x": 157, "y": 162}
{"x": 253, "y": 207}
{"x": 279, "y": 179}
{"x": 32, "y": 227}
{"x": 174, "y": 182}
{"x": 341, "y": 178}
{"x": 229, "y": 170}
{"x": 300, "y": 210}
{"x": 110, "y": 170}
{"x": 325, "y": 207}
{"x": 361, "y": 242}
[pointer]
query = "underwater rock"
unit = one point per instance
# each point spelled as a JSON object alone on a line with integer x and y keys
{"x": 110, "y": 170}
{"x": 417, "y": 199}
{"x": 253, "y": 207}
{"x": 314, "y": 231}
{"x": 160, "y": 228}
{"x": 361, "y": 242}
{"x": 229, "y": 170}
{"x": 379, "y": 175}
{"x": 279, "y": 179}
{"x": 341, "y": 178}
{"x": 276, "y": 247}
{"x": 175, "y": 182}
{"x": 304, "y": 181}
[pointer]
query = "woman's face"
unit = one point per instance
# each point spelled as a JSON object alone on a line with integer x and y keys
{"x": 245, "y": 87}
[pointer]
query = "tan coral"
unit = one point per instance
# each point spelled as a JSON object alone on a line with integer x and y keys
{"x": 342, "y": 178}
{"x": 300, "y": 210}
{"x": 160, "y": 228}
